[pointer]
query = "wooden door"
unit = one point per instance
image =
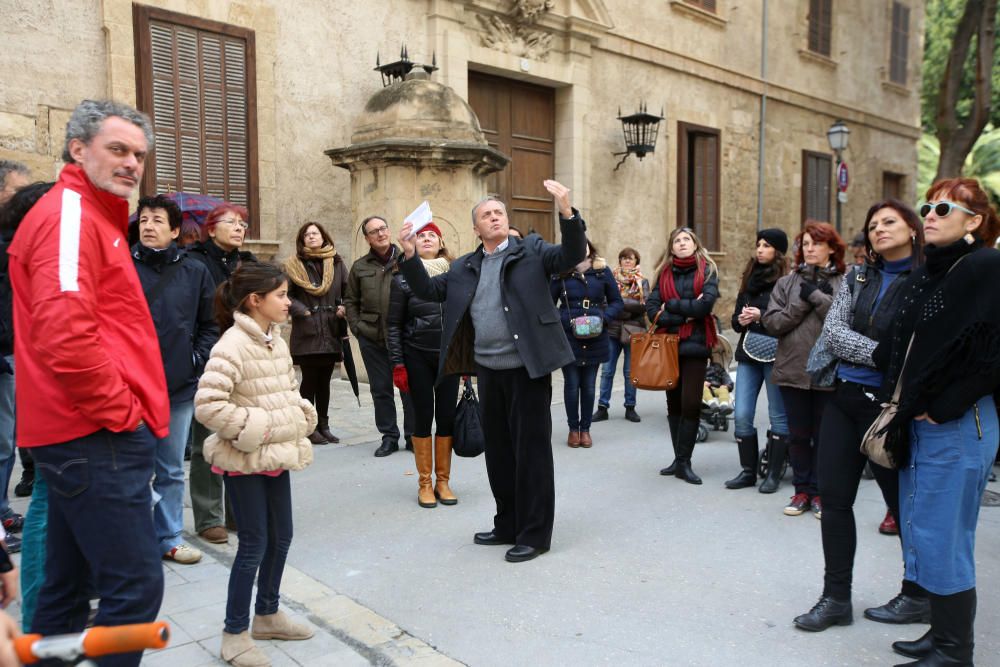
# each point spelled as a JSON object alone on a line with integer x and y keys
{"x": 518, "y": 119}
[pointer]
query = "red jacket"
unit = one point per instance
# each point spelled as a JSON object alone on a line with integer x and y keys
{"x": 86, "y": 350}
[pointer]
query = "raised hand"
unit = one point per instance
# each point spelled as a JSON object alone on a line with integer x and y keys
{"x": 406, "y": 240}
{"x": 560, "y": 193}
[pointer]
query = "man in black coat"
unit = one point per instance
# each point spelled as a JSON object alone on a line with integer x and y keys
{"x": 500, "y": 324}
{"x": 180, "y": 293}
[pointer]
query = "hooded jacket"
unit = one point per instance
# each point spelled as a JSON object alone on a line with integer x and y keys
{"x": 85, "y": 345}
{"x": 249, "y": 397}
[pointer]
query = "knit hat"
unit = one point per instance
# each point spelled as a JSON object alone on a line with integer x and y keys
{"x": 776, "y": 238}
{"x": 431, "y": 227}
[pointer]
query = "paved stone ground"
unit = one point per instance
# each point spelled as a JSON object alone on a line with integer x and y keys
{"x": 644, "y": 570}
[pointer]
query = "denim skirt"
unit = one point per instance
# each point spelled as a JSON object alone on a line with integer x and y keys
{"x": 940, "y": 491}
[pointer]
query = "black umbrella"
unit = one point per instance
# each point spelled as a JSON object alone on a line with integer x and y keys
{"x": 352, "y": 372}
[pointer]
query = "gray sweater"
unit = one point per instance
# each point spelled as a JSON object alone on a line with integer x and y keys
{"x": 494, "y": 346}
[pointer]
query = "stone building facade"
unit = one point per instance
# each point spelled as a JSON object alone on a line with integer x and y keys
{"x": 725, "y": 73}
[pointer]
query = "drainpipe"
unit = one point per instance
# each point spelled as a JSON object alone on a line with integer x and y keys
{"x": 763, "y": 119}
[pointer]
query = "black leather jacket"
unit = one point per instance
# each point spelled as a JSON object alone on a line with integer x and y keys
{"x": 412, "y": 321}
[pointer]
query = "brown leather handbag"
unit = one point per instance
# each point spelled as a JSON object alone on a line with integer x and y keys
{"x": 655, "y": 364}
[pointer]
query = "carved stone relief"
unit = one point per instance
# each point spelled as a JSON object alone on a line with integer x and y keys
{"x": 516, "y": 34}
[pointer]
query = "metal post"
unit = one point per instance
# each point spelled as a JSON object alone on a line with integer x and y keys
{"x": 836, "y": 181}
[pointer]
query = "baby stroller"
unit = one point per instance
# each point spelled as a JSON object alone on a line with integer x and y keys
{"x": 717, "y": 403}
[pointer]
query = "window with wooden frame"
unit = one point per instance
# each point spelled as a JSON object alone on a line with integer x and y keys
{"x": 893, "y": 185}
{"x": 197, "y": 81}
{"x": 899, "y": 45}
{"x": 698, "y": 182}
{"x": 820, "y": 26}
{"x": 817, "y": 179}
{"x": 707, "y": 5}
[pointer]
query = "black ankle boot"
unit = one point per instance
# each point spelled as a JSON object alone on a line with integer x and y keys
{"x": 601, "y": 415}
{"x": 747, "y": 446}
{"x": 825, "y": 613}
{"x": 777, "y": 452}
{"x": 632, "y": 415}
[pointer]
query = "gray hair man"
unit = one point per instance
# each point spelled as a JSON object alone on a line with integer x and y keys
{"x": 91, "y": 393}
{"x": 13, "y": 177}
{"x": 500, "y": 323}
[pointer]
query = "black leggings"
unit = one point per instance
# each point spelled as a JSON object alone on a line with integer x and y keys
{"x": 430, "y": 404}
{"x": 684, "y": 400}
{"x": 315, "y": 387}
{"x": 849, "y": 413}
{"x": 804, "y": 409}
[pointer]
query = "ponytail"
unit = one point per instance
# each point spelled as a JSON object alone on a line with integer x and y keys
{"x": 249, "y": 278}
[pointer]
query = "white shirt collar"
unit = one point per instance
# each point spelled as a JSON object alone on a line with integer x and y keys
{"x": 500, "y": 248}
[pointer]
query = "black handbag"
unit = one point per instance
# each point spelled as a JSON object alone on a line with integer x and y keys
{"x": 468, "y": 438}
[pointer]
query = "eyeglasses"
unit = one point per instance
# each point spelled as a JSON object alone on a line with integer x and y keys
{"x": 942, "y": 209}
{"x": 377, "y": 231}
{"x": 235, "y": 223}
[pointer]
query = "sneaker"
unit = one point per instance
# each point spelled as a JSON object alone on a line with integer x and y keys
{"x": 888, "y": 525}
{"x": 13, "y": 543}
{"x": 13, "y": 523}
{"x": 817, "y": 507}
{"x": 183, "y": 554}
{"x": 798, "y": 505}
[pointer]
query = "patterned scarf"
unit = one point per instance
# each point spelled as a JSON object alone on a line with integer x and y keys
{"x": 630, "y": 283}
{"x": 296, "y": 270}
{"x": 669, "y": 291}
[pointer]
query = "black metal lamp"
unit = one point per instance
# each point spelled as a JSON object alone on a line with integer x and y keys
{"x": 640, "y": 130}
{"x": 397, "y": 71}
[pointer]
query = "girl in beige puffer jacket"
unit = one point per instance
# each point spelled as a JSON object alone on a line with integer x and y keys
{"x": 248, "y": 397}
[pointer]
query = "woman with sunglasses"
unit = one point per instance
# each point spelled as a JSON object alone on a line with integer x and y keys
{"x": 755, "y": 356}
{"x": 686, "y": 289}
{"x": 795, "y": 315}
{"x": 862, "y": 313}
{"x": 944, "y": 351}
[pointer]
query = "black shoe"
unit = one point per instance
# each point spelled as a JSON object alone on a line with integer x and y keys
{"x": 324, "y": 430}
{"x": 490, "y": 539}
{"x": 743, "y": 480}
{"x": 387, "y": 447}
{"x": 917, "y": 648}
{"x": 901, "y": 609}
{"x": 24, "y": 488}
{"x": 670, "y": 470}
{"x": 600, "y": 415}
{"x": 632, "y": 415}
{"x": 685, "y": 472}
{"x": 825, "y": 613}
{"x": 522, "y": 552}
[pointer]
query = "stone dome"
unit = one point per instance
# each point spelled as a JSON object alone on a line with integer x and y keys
{"x": 418, "y": 109}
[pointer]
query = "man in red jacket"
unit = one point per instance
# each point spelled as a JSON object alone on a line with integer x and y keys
{"x": 91, "y": 393}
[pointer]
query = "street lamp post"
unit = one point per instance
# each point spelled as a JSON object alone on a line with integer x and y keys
{"x": 838, "y": 135}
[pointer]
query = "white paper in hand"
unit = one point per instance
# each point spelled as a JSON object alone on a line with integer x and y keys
{"x": 421, "y": 217}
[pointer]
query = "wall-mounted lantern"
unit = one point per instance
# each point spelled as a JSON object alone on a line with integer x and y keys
{"x": 397, "y": 71}
{"x": 640, "y": 130}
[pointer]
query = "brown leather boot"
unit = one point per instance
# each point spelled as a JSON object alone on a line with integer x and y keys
{"x": 424, "y": 456}
{"x": 442, "y": 469}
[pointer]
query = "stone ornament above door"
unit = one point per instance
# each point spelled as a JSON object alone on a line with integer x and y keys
{"x": 528, "y": 28}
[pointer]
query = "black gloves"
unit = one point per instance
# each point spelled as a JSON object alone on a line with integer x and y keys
{"x": 826, "y": 288}
{"x": 807, "y": 288}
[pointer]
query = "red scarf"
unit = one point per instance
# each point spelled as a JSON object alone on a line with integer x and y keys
{"x": 669, "y": 291}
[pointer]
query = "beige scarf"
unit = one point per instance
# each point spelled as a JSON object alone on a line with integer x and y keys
{"x": 296, "y": 270}
{"x": 436, "y": 266}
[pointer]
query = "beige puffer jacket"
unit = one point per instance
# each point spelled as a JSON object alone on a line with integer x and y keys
{"x": 249, "y": 398}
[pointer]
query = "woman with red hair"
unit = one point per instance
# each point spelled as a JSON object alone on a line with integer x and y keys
{"x": 795, "y": 314}
{"x": 944, "y": 435}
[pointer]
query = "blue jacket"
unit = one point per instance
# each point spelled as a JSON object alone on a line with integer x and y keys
{"x": 527, "y": 266}
{"x": 183, "y": 315}
{"x": 598, "y": 285}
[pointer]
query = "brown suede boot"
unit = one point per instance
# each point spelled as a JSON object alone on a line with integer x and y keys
{"x": 241, "y": 651}
{"x": 424, "y": 456}
{"x": 279, "y": 626}
{"x": 442, "y": 469}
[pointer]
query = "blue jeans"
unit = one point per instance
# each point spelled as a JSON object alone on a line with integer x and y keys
{"x": 615, "y": 348}
{"x": 100, "y": 524}
{"x": 578, "y": 395}
{"x": 36, "y": 527}
{"x": 263, "y": 509}
{"x": 7, "y": 449}
{"x": 168, "y": 485}
{"x": 749, "y": 378}
{"x": 940, "y": 492}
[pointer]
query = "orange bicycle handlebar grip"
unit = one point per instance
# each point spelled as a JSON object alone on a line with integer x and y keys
{"x": 23, "y": 646}
{"x": 100, "y": 641}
